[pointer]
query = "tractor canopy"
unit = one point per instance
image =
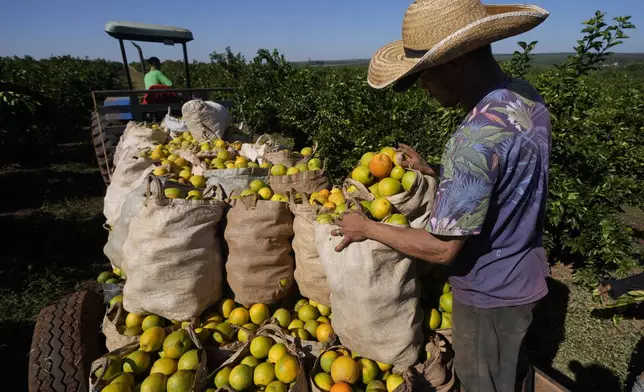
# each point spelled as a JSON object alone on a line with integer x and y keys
{"x": 132, "y": 31}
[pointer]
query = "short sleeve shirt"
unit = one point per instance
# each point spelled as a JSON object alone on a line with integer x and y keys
{"x": 493, "y": 188}
{"x": 154, "y": 77}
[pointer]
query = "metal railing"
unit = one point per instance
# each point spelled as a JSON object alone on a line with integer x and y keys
{"x": 138, "y": 109}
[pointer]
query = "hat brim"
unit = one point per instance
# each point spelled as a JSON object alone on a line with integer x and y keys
{"x": 390, "y": 63}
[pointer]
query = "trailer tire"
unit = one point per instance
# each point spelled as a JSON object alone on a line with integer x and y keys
{"x": 65, "y": 342}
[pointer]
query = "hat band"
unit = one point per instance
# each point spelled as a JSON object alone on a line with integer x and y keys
{"x": 414, "y": 54}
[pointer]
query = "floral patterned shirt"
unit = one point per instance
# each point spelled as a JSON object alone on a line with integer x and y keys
{"x": 493, "y": 188}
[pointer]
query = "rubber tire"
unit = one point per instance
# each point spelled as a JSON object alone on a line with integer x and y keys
{"x": 105, "y": 139}
{"x": 66, "y": 341}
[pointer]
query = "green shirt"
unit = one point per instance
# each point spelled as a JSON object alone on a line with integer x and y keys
{"x": 156, "y": 77}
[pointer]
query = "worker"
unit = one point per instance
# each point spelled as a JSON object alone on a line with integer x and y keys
{"x": 155, "y": 77}
{"x": 488, "y": 216}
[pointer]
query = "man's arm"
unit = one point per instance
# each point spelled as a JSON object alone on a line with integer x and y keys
{"x": 417, "y": 243}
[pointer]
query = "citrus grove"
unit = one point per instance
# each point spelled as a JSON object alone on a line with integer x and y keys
{"x": 597, "y": 116}
{"x": 222, "y": 276}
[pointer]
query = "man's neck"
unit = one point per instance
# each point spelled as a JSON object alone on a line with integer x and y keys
{"x": 483, "y": 82}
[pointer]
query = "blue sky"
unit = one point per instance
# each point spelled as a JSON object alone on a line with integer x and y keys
{"x": 320, "y": 30}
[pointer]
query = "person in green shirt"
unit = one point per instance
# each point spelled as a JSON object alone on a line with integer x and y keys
{"x": 154, "y": 75}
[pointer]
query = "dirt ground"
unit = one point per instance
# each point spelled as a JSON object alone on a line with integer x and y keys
{"x": 51, "y": 220}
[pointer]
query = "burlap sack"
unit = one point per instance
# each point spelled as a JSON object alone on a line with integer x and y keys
{"x": 113, "y": 249}
{"x": 299, "y": 385}
{"x": 437, "y": 372}
{"x": 375, "y": 299}
{"x": 416, "y": 204}
{"x": 172, "y": 257}
{"x": 276, "y": 154}
{"x": 114, "y": 340}
{"x": 136, "y": 138}
{"x": 101, "y": 365}
{"x": 309, "y": 274}
{"x": 260, "y": 259}
{"x": 253, "y": 151}
{"x": 130, "y": 168}
{"x": 206, "y": 120}
{"x": 235, "y": 179}
{"x": 304, "y": 182}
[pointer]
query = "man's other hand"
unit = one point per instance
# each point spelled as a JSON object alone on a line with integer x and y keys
{"x": 413, "y": 160}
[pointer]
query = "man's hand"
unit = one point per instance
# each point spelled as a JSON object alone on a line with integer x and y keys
{"x": 413, "y": 160}
{"x": 352, "y": 228}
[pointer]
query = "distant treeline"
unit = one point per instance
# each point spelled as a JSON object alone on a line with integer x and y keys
{"x": 539, "y": 59}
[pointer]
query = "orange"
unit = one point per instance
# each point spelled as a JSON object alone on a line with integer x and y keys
{"x": 374, "y": 189}
{"x": 408, "y": 180}
{"x": 397, "y": 172}
{"x": 308, "y": 312}
{"x": 345, "y": 369}
{"x": 389, "y": 151}
{"x": 446, "y": 321}
{"x": 259, "y": 313}
{"x": 324, "y": 193}
{"x": 239, "y": 317}
{"x": 381, "y": 165}
{"x": 287, "y": 369}
{"x": 327, "y": 359}
{"x": 394, "y": 382}
{"x": 323, "y": 381}
{"x": 362, "y": 175}
{"x": 366, "y": 158}
{"x": 380, "y": 208}
{"x": 398, "y": 219}
{"x": 341, "y": 387}
{"x": 329, "y": 205}
{"x": 432, "y": 319}
{"x": 323, "y": 332}
{"x": 389, "y": 187}
{"x": 445, "y": 302}
{"x": 336, "y": 198}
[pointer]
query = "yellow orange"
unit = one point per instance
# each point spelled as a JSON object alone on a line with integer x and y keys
{"x": 323, "y": 332}
{"x": 326, "y": 360}
{"x": 380, "y": 208}
{"x": 389, "y": 151}
{"x": 345, "y": 369}
{"x": 336, "y": 198}
{"x": 287, "y": 369}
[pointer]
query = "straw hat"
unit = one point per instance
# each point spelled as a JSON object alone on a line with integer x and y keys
{"x": 435, "y": 32}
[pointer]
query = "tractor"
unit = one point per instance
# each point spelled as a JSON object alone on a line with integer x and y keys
{"x": 114, "y": 109}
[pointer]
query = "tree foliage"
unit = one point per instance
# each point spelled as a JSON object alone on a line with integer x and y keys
{"x": 597, "y": 161}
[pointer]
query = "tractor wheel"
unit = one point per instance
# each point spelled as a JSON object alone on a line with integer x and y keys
{"x": 65, "y": 342}
{"x": 105, "y": 136}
